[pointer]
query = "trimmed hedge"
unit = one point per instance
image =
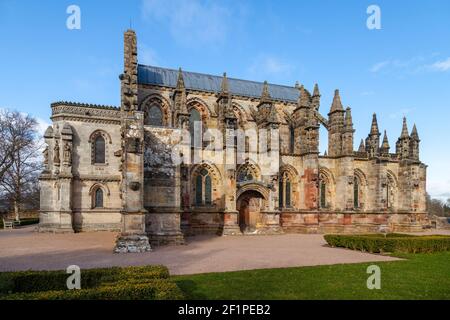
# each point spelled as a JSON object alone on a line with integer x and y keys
{"x": 153, "y": 289}
{"x": 378, "y": 243}
{"x": 148, "y": 282}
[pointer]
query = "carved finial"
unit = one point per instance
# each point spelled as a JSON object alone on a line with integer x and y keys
{"x": 225, "y": 85}
{"x": 414, "y": 134}
{"x": 348, "y": 118}
{"x": 180, "y": 80}
{"x": 316, "y": 91}
{"x": 404, "y": 133}
{"x": 303, "y": 99}
{"x": 385, "y": 145}
{"x": 374, "y": 127}
{"x": 337, "y": 104}
{"x": 265, "y": 92}
{"x": 362, "y": 147}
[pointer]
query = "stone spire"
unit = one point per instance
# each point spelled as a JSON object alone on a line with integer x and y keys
{"x": 385, "y": 145}
{"x": 404, "y": 133}
{"x": 362, "y": 147}
{"x": 337, "y": 104}
{"x": 414, "y": 144}
{"x": 180, "y": 80}
{"x": 224, "y": 87}
{"x": 303, "y": 98}
{"x": 129, "y": 86}
{"x": 180, "y": 100}
{"x": 373, "y": 139}
{"x": 414, "y": 134}
{"x": 265, "y": 95}
{"x": 374, "y": 127}
{"x": 315, "y": 102}
{"x": 348, "y": 119}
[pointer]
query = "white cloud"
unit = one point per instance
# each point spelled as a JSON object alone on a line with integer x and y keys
{"x": 267, "y": 65}
{"x": 439, "y": 189}
{"x": 442, "y": 66}
{"x": 191, "y": 22}
{"x": 378, "y": 66}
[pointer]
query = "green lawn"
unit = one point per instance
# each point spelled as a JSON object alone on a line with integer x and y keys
{"x": 421, "y": 276}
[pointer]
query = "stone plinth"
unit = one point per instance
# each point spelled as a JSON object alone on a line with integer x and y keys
{"x": 230, "y": 224}
{"x": 132, "y": 244}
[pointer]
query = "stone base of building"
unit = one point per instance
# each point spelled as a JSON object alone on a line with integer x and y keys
{"x": 132, "y": 244}
{"x": 167, "y": 239}
{"x": 230, "y": 225}
{"x": 55, "y": 222}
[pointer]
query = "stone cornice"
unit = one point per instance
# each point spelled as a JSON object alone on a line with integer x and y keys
{"x": 84, "y": 112}
{"x": 107, "y": 178}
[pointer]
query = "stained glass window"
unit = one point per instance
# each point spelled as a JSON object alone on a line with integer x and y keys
{"x": 208, "y": 190}
{"x": 155, "y": 116}
{"x": 98, "y": 198}
{"x": 288, "y": 194}
{"x": 198, "y": 190}
{"x": 356, "y": 193}
{"x": 323, "y": 188}
{"x": 99, "y": 150}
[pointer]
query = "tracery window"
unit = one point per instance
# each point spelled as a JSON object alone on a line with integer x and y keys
{"x": 203, "y": 188}
{"x": 155, "y": 116}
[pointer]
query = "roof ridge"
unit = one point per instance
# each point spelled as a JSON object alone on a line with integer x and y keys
{"x": 218, "y": 76}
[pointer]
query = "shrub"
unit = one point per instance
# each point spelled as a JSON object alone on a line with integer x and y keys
{"x": 149, "y": 282}
{"x": 152, "y": 289}
{"x": 377, "y": 243}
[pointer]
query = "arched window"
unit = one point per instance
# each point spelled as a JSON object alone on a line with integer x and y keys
{"x": 198, "y": 190}
{"x": 99, "y": 150}
{"x": 356, "y": 203}
{"x": 323, "y": 192}
{"x": 288, "y": 193}
{"x": 285, "y": 191}
{"x": 291, "y": 139}
{"x": 155, "y": 116}
{"x": 98, "y": 198}
{"x": 208, "y": 190}
{"x": 195, "y": 128}
{"x": 203, "y": 188}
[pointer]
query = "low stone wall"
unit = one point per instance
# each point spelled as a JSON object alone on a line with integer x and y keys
{"x": 320, "y": 222}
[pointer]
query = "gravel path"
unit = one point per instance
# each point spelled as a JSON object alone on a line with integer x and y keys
{"x": 23, "y": 249}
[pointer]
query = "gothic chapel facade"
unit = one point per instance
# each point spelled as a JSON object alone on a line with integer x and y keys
{"x": 113, "y": 168}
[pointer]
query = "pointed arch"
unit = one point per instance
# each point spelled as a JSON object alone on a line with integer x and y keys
{"x": 391, "y": 190}
{"x": 153, "y": 101}
{"x": 99, "y": 194}
{"x": 359, "y": 189}
{"x": 206, "y": 185}
{"x": 99, "y": 140}
{"x": 201, "y": 106}
{"x": 327, "y": 187}
{"x": 248, "y": 171}
{"x": 288, "y": 186}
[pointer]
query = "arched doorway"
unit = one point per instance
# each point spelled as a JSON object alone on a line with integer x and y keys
{"x": 249, "y": 205}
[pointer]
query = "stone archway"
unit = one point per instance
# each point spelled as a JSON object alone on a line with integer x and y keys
{"x": 249, "y": 205}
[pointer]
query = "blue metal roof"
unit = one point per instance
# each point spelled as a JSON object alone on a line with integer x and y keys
{"x": 206, "y": 82}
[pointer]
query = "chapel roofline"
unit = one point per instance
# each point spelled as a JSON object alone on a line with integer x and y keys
{"x": 83, "y": 105}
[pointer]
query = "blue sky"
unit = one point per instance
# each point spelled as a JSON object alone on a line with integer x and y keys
{"x": 402, "y": 69}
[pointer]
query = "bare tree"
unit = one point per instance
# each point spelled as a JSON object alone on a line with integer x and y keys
{"x": 16, "y": 131}
{"x": 19, "y": 174}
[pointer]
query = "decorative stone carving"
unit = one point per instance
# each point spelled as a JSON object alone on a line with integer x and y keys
{"x": 56, "y": 159}
{"x": 67, "y": 154}
{"x": 135, "y": 186}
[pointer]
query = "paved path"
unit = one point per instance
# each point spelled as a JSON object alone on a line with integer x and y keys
{"x": 23, "y": 249}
